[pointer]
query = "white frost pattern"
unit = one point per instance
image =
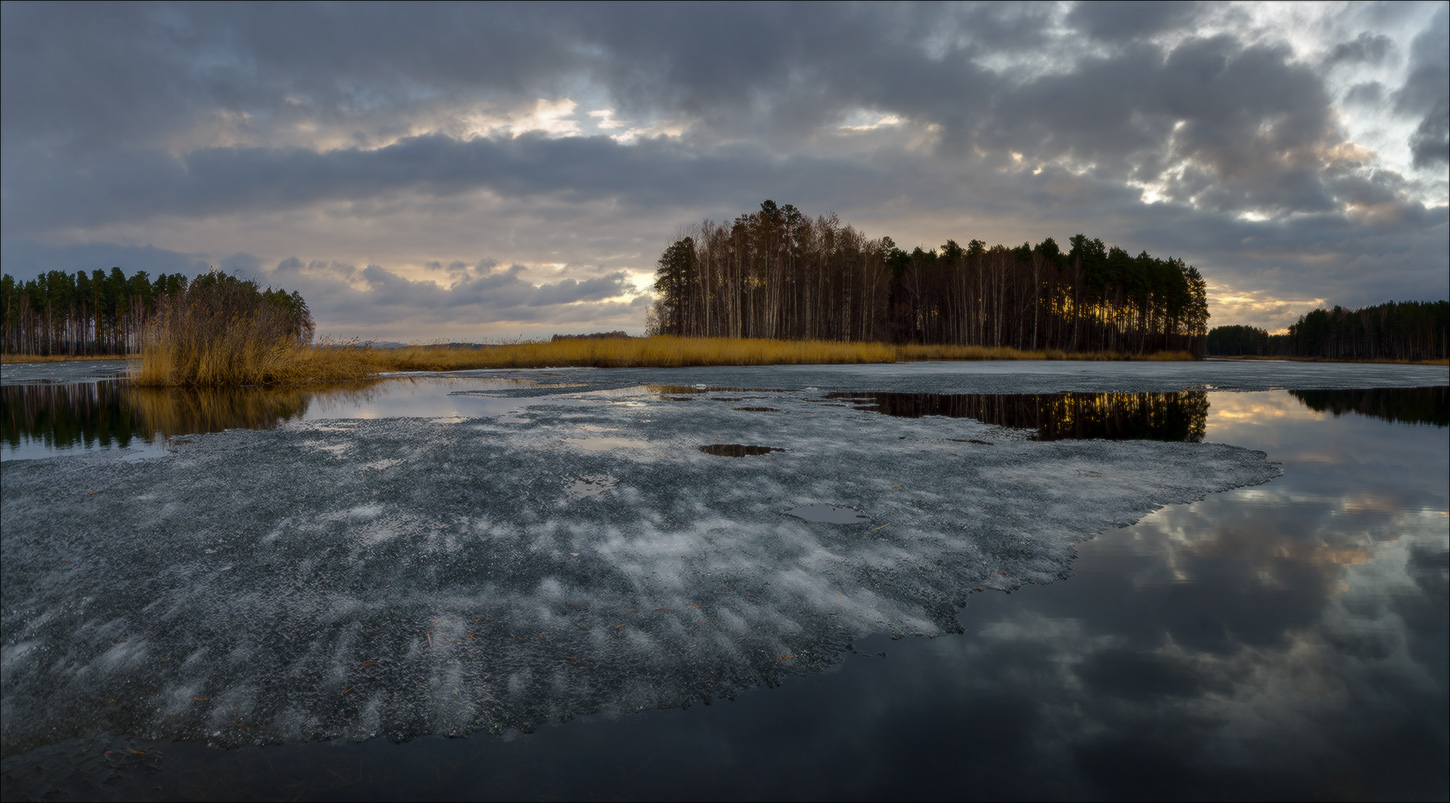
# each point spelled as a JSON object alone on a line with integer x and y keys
{"x": 406, "y": 576}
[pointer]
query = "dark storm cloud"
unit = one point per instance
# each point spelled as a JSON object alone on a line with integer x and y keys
{"x": 1366, "y": 48}
{"x": 89, "y": 256}
{"x": 1426, "y": 93}
{"x": 1431, "y": 141}
{"x": 1126, "y": 19}
{"x": 1429, "y": 64}
{"x": 1369, "y": 93}
{"x": 219, "y": 181}
{"x": 1249, "y": 125}
{"x": 1242, "y": 109}
{"x": 129, "y": 72}
{"x": 154, "y": 117}
{"x": 92, "y": 75}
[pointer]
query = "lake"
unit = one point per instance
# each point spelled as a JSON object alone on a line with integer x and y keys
{"x": 938, "y": 580}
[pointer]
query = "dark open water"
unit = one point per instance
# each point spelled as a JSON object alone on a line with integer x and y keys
{"x": 1287, "y": 641}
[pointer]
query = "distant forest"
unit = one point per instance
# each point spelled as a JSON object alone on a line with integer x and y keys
{"x": 777, "y": 273}
{"x": 1405, "y": 330}
{"x": 103, "y": 312}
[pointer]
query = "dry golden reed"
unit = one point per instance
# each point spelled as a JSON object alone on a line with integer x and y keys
{"x": 238, "y": 360}
{"x": 662, "y": 351}
{"x": 245, "y": 359}
{"x": 225, "y": 332}
{"x": 9, "y": 359}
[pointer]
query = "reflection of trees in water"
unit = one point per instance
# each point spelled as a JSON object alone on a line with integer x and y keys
{"x": 113, "y": 413}
{"x": 68, "y": 415}
{"x": 1180, "y": 416}
{"x": 184, "y": 411}
{"x": 1400, "y": 405}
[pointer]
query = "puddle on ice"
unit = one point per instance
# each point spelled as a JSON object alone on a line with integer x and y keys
{"x": 828, "y": 514}
{"x": 675, "y": 392}
{"x": 591, "y": 487}
{"x": 606, "y": 444}
{"x": 737, "y": 449}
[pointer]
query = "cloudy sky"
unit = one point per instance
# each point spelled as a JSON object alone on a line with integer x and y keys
{"x": 465, "y": 172}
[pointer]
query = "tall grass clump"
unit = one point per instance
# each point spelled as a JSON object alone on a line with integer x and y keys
{"x": 225, "y": 331}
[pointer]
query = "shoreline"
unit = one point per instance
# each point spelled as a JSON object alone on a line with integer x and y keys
{"x": 672, "y": 352}
{"x": 1377, "y": 361}
{"x": 328, "y": 361}
{"x": 7, "y": 359}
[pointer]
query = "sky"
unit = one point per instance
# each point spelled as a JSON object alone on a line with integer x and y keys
{"x": 479, "y": 173}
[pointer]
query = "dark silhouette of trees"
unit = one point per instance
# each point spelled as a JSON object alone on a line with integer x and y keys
{"x": 777, "y": 273}
{"x": 1429, "y": 405}
{"x": 1410, "y": 330}
{"x": 1406, "y": 330}
{"x": 1172, "y": 416}
{"x": 101, "y": 312}
{"x": 1238, "y": 341}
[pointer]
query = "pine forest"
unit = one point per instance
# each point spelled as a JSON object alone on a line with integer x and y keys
{"x": 778, "y": 273}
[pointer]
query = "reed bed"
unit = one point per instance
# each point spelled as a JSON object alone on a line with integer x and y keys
{"x": 663, "y": 351}
{"x": 668, "y": 351}
{"x": 12, "y": 359}
{"x": 240, "y": 359}
{"x": 226, "y": 332}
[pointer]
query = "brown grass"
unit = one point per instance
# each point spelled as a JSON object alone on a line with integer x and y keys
{"x": 684, "y": 351}
{"x": 240, "y": 360}
{"x": 7, "y": 359}
{"x": 636, "y": 352}
{"x": 243, "y": 360}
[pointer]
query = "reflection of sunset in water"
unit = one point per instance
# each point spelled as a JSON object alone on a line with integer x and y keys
{"x": 1232, "y": 411}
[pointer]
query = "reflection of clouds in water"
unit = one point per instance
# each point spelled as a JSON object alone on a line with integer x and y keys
{"x": 1290, "y": 639}
{"x": 1321, "y": 447}
{"x": 407, "y": 577}
{"x": 1230, "y": 415}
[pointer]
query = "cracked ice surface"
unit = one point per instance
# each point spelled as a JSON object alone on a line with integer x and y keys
{"x": 409, "y": 576}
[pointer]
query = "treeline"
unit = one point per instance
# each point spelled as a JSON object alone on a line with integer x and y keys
{"x": 1405, "y": 330}
{"x": 777, "y": 273}
{"x": 616, "y": 335}
{"x": 1238, "y": 341}
{"x": 1429, "y": 405}
{"x": 101, "y": 312}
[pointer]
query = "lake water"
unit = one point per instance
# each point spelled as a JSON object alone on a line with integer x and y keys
{"x": 1284, "y": 640}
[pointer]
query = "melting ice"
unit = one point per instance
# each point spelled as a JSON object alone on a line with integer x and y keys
{"x": 350, "y": 578}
